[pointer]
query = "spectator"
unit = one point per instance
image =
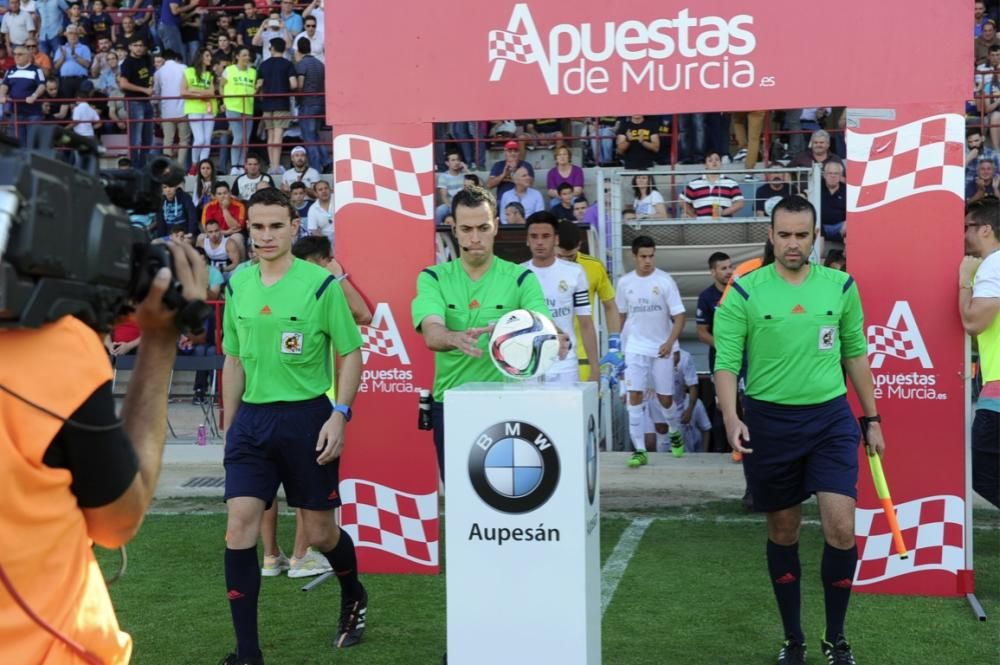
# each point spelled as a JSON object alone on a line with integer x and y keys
{"x": 314, "y": 36}
{"x": 580, "y": 209}
{"x": 648, "y": 203}
{"x": 74, "y": 17}
{"x": 747, "y": 126}
{"x": 810, "y": 119}
{"x": 979, "y": 14}
{"x": 50, "y": 13}
{"x": 628, "y": 215}
{"x": 273, "y": 28}
{"x": 987, "y": 38}
{"x": 204, "y": 184}
{"x": 52, "y": 110}
{"x": 85, "y": 117}
{"x": 23, "y": 86}
{"x": 248, "y": 26}
{"x": 176, "y": 209}
{"x": 17, "y": 25}
{"x": 106, "y": 80}
{"x": 833, "y": 202}
{"x": 168, "y": 83}
{"x": 169, "y": 29}
{"x": 301, "y": 171}
{"x": 131, "y": 30}
{"x": 523, "y": 193}
{"x": 198, "y": 90}
{"x": 246, "y": 184}
{"x": 301, "y": 203}
{"x": 291, "y": 19}
{"x": 603, "y": 129}
{"x": 449, "y": 183}
{"x": 564, "y": 171}
{"x": 228, "y": 212}
{"x": 38, "y": 58}
{"x": 72, "y": 61}
{"x": 319, "y": 220}
{"x": 777, "y": 188}
{"x": 471, "y": 180}
{"x": 222, "y": 252}
{"x": 818, "y": 152}
{"x": 563, "y": 209}
{"x": 545, "y": 131}
{"x": 239, "y": 82}
{"x": 663, "y": 155}
{"x": 513, "y": 213}
{"x": 99, "y": 60}
{"x": 988, "y": 93}
{"x": 977, "y": 150}
{"x": 276, "y": 79}
{"x": 225, "y": 49}
{"x": 986, "y": 184}
{"x": 99, "y": 24}
{"x": 638, "y": 141}
{"x": 712, "y": 195}
{"x": 315, "y": 10}
{"x": 312, "y": 107}
{"x": 136, "y": 82}
{"x": 501, "y": 174}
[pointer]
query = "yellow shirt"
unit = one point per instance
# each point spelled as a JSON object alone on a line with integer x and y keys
{"x": 238, "y": 89}
{"x": 200, "y": 104}
{"x": 599, "y": 285}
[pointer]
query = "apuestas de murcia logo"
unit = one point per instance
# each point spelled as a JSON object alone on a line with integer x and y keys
{"x": 901, "y": 338}
{"x": 381, "y": 338}
{"x": 664, "y": 54}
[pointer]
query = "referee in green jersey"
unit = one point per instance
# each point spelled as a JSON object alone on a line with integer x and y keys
{"x": 801, "y": 327}
{"x": 458, "y": 301}
{"x": 281, "y": 319}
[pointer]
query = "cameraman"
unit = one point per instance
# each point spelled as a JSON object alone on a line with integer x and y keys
{"x": 74, "y": 475}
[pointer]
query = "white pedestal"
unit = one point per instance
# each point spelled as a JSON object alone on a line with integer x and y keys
{"x": 522, "y": 524}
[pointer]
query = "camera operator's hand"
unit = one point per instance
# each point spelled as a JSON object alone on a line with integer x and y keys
{"x": 155, "y": 318}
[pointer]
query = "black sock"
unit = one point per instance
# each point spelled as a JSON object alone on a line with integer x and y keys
{"x": 786, "y": 572}
{"x": 345, "y": 566}
{"x": 243, "y": 586}
{"x": 838, "y": 577}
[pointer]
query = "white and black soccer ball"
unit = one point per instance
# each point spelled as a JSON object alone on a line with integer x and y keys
{"x": 524, "y": 344}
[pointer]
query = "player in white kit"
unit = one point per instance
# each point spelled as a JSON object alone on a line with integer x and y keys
{"x": 565, "y": 287}
{"x": 653, "y": 313}
{"x": 687, "y": 417}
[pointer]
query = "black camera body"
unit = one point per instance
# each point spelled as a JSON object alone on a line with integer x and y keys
{"x": 67, "y": 245}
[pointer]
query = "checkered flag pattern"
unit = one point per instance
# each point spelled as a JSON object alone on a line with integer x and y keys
{"x": 895, "y": 343}
{"x": 933, "y": 531}
{"x": 379, "y": 342}
{"x": 381, "y": 517}
{"x": 922, "y": 156}
{"x": 506, "y": 45}
{"x": 373, "y": 172}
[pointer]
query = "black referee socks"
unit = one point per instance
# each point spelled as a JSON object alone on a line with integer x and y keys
{"x": 345, "y": 565}
{"x": 838, "y": 577}
{"x": 786, "y": 572}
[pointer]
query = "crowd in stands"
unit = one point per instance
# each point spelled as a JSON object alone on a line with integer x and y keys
{"x": 198, "y": 80}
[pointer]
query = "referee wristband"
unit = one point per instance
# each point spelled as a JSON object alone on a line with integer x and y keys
{"x": 341, "y": 277}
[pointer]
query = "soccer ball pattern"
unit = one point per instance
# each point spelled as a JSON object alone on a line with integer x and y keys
{"x": 524, "y": 344}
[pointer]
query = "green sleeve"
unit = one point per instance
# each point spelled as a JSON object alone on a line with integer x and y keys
{"x": 730, "y": 331}
{"x": 339, "y": 321}
{"x": 852, "y": 324}
{"x": 230, "y": 337}
{"x": 531, "y": 294}
{"x": 429, "y": 300}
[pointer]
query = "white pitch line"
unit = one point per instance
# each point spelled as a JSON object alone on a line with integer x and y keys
{"x": 614, "y": 567}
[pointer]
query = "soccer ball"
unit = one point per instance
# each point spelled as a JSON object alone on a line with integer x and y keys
{"x": 524, "y": 344}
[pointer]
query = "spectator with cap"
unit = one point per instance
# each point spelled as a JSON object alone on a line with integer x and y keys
{"x": 168, "y": 83}
{"x": 72, "y": 61}
{"x": 276, "y": 79}
{"x": 23, "y": 86}
{"x": 273, "y": 28}
{"x": 502, "y": 172}
{"x": 301, "y": 171}
{"x": 312, "y": 108}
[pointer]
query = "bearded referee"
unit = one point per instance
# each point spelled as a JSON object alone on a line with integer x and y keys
{"x": 801, "y": 327}
{"x": 282, "y": 317}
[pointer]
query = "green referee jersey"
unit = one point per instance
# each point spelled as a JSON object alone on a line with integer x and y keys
{"x": 447, "y": 291}
{"x": 794, "y": 336}
{"x": 283, "y": 333}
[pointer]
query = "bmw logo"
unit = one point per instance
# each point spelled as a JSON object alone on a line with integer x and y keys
{"x": 591, "y": 452}
{"x": 514, "y": 467}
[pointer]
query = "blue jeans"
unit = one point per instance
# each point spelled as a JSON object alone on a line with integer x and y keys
{"x": 140, "y": 134}
{"x": 469, "y": 149}
{"x": 239, "y": 125}
{"x": 170, "y": 37}
{"x": 50, "y": 46}
{"x": 319, "y": 157}
{"x": 222, "y": 140}
{"x": 692, "y": 137}
{"x": 24, "y": 121}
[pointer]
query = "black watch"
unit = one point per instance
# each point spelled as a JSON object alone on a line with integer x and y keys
{"x": 868, "y": 420}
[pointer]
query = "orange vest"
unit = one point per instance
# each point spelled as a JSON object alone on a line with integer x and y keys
{"x": 747, "y": 266}
{"x": 44, "y": 547}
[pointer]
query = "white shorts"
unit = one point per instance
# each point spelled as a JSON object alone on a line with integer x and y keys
{"x": 642, "y": 372}
{"x": 563, "y": 375}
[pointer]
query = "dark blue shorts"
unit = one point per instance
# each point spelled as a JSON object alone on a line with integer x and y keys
{"x": 800, "y": 450}
{"x": 272, "y": 444}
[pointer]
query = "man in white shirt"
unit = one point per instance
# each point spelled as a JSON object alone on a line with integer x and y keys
{"x": 653, "y": 316}
{"x": 247, "y": 183}
{"x": 522, "y": 192}
{"x": 320, "y": 217}
{"x": 300, "y": 172}
{"x": 565, "y": 287}
{"x": 168, "y": 82}
{"x": 17, "y": 24}
{"x": 314, "y": 36}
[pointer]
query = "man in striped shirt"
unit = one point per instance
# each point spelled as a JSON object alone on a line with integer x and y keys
{"x": 712, "y": 195}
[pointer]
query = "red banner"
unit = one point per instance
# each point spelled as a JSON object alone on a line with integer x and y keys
{"x": 906, "y": 187}
{"x": 383, "y": 201}
{"x": 482, "y": 60}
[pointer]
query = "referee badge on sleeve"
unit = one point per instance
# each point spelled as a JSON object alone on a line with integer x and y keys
{"x": 291, "y": 342}
{"x": 827, "y": 336}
